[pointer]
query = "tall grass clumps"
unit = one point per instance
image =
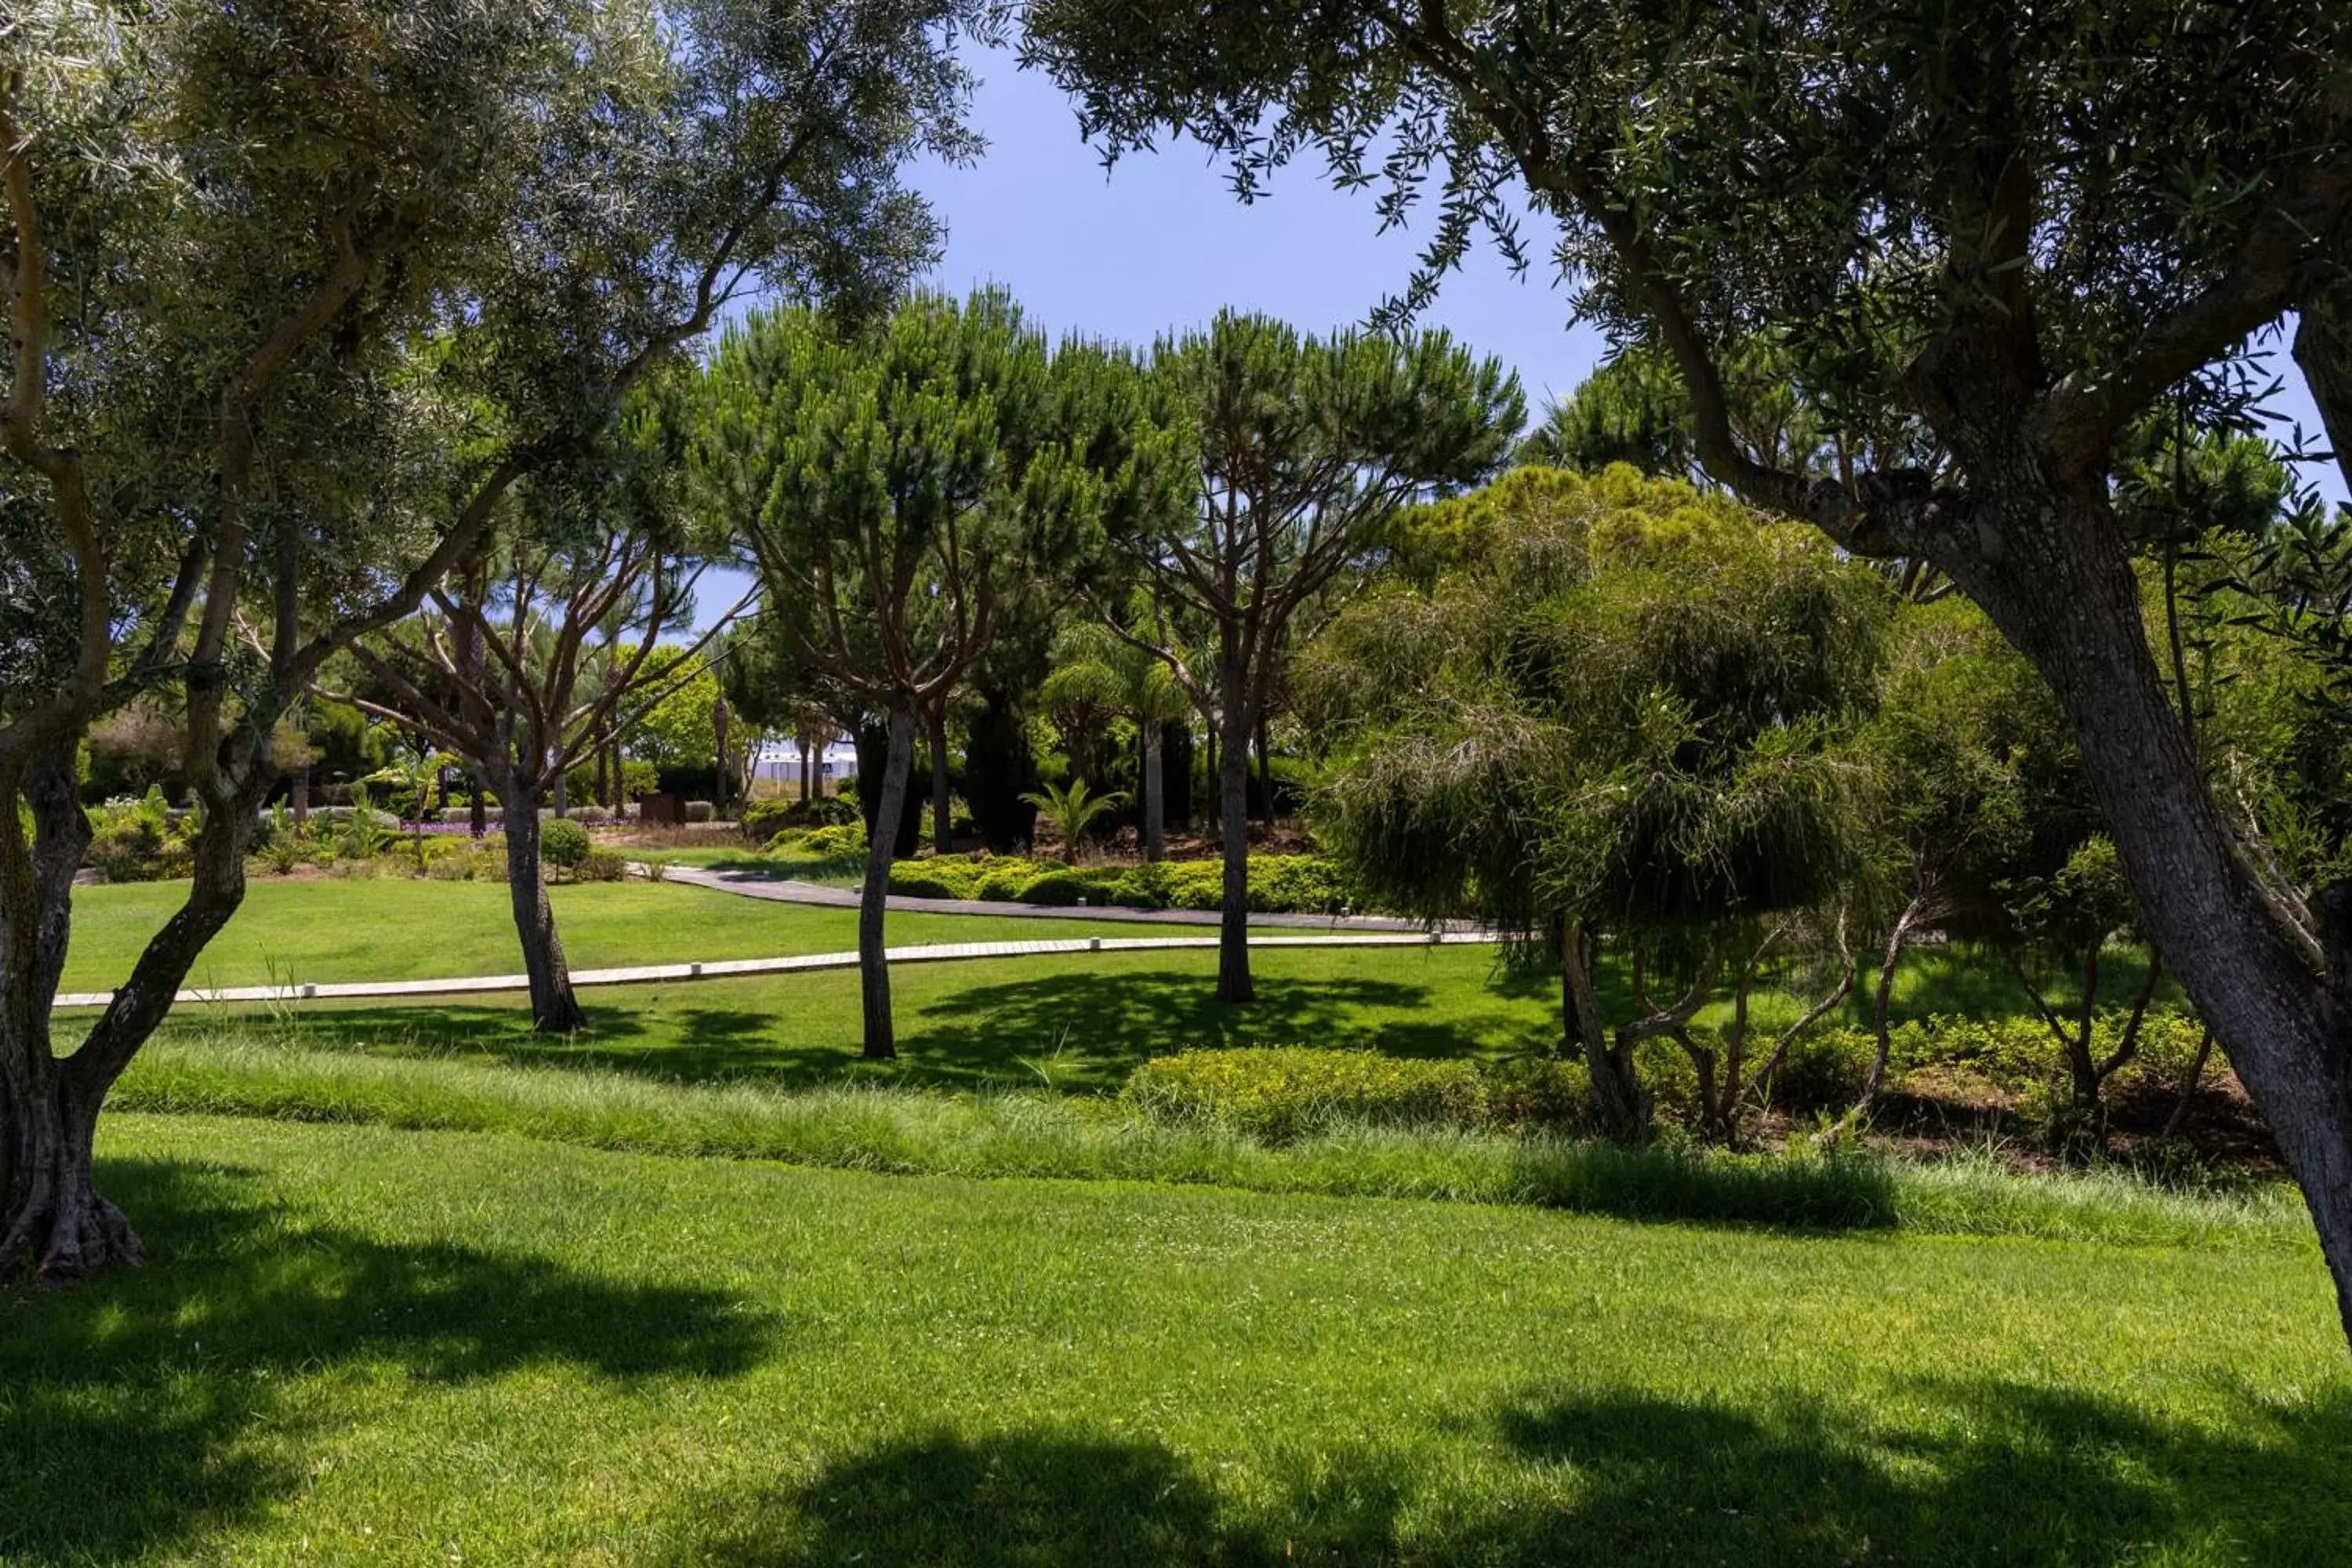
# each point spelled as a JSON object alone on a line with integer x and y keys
{"x": 1278, "y": 1092}
{"x": 1016, "y": 1133}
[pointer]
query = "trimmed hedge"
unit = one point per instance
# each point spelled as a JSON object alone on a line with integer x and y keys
{"x": 1278, "y": 884}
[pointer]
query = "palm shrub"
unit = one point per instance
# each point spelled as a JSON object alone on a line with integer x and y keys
{"x": 1072, "y": 811}
{"x": 1099, "y": 668}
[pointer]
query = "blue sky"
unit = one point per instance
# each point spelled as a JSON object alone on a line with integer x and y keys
{"x": 1159, "y": 243}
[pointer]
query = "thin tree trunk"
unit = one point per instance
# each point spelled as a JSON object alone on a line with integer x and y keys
{"x": 808, "y": 767}
{"x": 942, "y": 795}
{"x": 2180, "y": 1107}
{"x": 1155, "y": 797}
{"x": 562, "y": 796}
{"x": 1882, "y": 1003}
{"x": 2060, "y": 588}
{"x": 872, "y": 903}
{"x": 554, "y": 1010}
{"x": 719, "y": 745}
{"x": 1233, "y": 983}
{"x": 1617, "y": 1101}
{"x": 1265, "y": 771}
{"x": 301, "y": 793}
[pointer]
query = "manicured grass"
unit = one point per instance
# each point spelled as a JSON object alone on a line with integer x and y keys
{"x": 365, "y": 1346}
{"x": 1079, "y": 1022}
{"x": 403, "y": 929}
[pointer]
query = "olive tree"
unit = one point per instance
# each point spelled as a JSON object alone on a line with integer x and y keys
{"x": 535, "y": 655}
{"x": 2020, "y": 226}
{"x": 298, "y": 295}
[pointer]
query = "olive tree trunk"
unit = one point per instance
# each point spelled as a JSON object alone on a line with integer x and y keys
{"x": 2049, "y": 568}
{"x": 554, "y": 1010}
{"x": 54, "y": 1223}
{"x": 872, "y": 903}
{"x": 1233, "y": 983}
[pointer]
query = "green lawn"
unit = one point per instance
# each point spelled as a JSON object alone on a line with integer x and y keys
{"x": 1079, "y": 1022}
{"x": 365, "y": 1346}
{"x": 401, "y": 929}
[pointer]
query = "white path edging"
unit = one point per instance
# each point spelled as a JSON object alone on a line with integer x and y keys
{"x": 718, "y": 969}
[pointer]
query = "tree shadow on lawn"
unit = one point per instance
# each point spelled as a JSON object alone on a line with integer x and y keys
{"x": 1088, "y": 1031}
{"x": 1994, "y": 1472}
{"x": 1078, "y": 1030}
{"x": 133, "y": 1405}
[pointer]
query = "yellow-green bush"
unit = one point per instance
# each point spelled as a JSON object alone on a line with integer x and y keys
{"x": 1282, "y": 1091}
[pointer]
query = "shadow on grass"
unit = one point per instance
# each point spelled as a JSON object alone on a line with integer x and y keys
{"x": 1090, "y": 1030}
{"x": 1086, "y": 1031}
{"x": 130, "y": 1403}
{"x": 1982, "y": 1472}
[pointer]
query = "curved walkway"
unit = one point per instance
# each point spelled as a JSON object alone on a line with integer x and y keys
{"x": 790, "y": 890}
{"x": 929, "y": 954}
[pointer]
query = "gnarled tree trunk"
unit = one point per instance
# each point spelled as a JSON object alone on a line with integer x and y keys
{"x": 2049, "y": 566}
{"x": 53, "y": 1220}
{"x": 1619, "y": 1101}
{"x": 554, "y": 1010}
{"x": 872, "y": 903}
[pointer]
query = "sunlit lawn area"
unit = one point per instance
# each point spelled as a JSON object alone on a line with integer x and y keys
{"x": 365, "y": 1346}
{"x": 401, "y": 929}
{"x": 1078, "y": 1022}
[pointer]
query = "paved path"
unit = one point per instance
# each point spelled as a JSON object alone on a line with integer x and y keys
{"x": 930, "y": 953}
{"x": 787, "y": 890}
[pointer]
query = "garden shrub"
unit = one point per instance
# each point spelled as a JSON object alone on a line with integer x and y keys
{"x": 1298, "y": 884}
{"x": 1825, "y": 1069}
{"x": 1001, "y": 879}
{"x": 936, "y": 878}
{"x": 602, "y": 865}
{"x": 700, "y": 811}
{"x": 1061, "y": 885}
{"x": 762, "y": 820}
{"x": 837, "y": 838}
{"x": 140, "y": 840}
{"x": 1530, "y": 1092}
{"x": 457, "y": 868}
{"x": 1278, "y": 1093}
{"x": 564, "y": 843}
